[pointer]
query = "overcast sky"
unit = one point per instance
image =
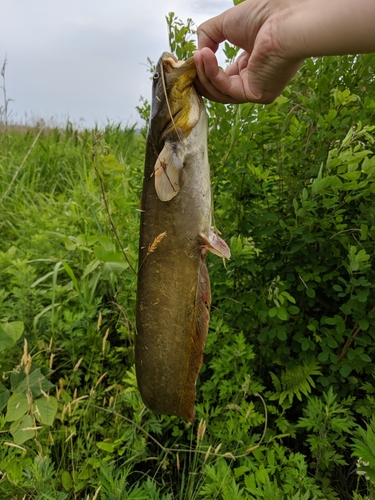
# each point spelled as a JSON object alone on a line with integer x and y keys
{"x": 85, "y": 59}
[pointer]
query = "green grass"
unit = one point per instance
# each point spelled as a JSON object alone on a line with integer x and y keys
{"x": 288, "y": 373}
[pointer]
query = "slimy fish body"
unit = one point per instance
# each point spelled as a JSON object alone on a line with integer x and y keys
{"x": 173, "y": 293}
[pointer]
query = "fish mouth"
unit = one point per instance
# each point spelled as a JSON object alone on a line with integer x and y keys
{"x": 172, "y": 65}
{"x": 178, "y": 107}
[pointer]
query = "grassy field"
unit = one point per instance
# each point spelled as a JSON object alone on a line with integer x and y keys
{"x": 285, "y": 397}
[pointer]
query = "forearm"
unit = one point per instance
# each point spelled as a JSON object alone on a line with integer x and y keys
{"x": 327, "y": 27}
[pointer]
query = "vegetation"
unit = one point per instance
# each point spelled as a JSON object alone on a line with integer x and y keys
{"x": 286, "y": 395}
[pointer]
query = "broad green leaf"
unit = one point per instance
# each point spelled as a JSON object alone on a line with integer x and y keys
{"x": 363, "y": 323}
{"x": 345, "y": 370}
{"x": 323, "y": 356}
{"x": 365, "y": 357}
{"x": 108, "y": 255}
{"x": 293, "y": 310}
{"x": 23, "y": 429}
{"x": 310, "y": 292}
{"x": 113, "y": 268}
{"x": 305, "y": 344}
{"x": 91, "y": 266}
{"x": 4, "y": 397}
{"x": 281, "y": 334}
{"x": 36, "y": 381}
{"x": 107, "y": 244}
{"x": 282, "y": 313}
{"x": 86, "y": 240}
{"x": 17, "y": 407}
{"x": 66, "y": 480}
{"x": 45, "y": 409}
{"x": 109, "y": 447}
{"x": 10, "y": 333}
{"x": 272, "y": 312}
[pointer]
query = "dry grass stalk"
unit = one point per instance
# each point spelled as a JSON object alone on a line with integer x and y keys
{"x": 100, "y": 318}
{"x": 26, "y": 359}
{"x": 217, "y": 449}
{"x": 105, "y": 340}
{"x": 201, "y": 431}
{"x": 14, "y": 445}
{"x": 77, "y": 364}
{"x": 69, "y": 437}
{"x": 156, "y": 242}
{"x": 207, "y": 454}
{"x": 100, "y": 379}
{"x": 96, "y": 493}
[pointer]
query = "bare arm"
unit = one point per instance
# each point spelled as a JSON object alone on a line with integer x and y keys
{"x": 276, "y": 36}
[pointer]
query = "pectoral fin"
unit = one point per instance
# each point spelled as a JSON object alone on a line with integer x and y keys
{"x": 215, "y": 244}
{"x": 168, "y": 173}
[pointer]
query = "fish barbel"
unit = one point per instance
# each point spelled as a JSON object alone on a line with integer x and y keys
{"x": 173, "y": 292}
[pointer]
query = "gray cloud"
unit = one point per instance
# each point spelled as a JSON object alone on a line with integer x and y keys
{"x": 86, "y": 59}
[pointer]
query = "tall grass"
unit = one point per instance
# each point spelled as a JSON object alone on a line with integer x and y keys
{"x": 52, "y": 215}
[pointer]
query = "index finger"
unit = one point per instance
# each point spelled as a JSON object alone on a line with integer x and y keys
{"x": 210, "y": 33}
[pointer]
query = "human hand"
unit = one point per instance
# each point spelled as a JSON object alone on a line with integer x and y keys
{"x": 276, "y": 36}
{"x": 260, "y": 72}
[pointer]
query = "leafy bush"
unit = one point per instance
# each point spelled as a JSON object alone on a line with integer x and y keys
{"x": 286, "y": 393}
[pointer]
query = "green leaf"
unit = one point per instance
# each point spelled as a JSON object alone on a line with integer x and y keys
{"x": 4, "y": 397}
{"x": 331, "y": 341}
{"x": 365, "y": 357}
{"x": 293, "y": 310}
{"x": 345, "y": 370}
{"x": 91, "y": 266}
{"x": 45, "y": 409}
{"x": 323, "y": 356}
{"x": 105, "y": 255}
{"x": 66, "y": 480}
{"x": 107, "y": 244}
{"x": 17, "y": 407}
{"x": 36, "y": 381}
{"x": 364, "y": 231}
{"x": 281, "y": 334}
{"x": 363, "y": 324}
{"x": 310, "y": 292}
{"x": 23, "y": 429}
{"x": 10, "y": 333}
{"x": 71, "y": 274}
{"x": 305, "y": 344}
{"x": 109, "y": 447}
{"x": 282, "y": 313}
{"x": 113, "y": 268}
{"x": 272, "y": 312}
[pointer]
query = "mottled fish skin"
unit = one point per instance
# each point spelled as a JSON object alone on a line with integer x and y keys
{"x": 173, "y": 293}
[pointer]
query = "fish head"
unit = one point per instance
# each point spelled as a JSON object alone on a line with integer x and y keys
{"x": 176, "y": 105}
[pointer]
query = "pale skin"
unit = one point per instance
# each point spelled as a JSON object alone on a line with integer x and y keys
{"x": 276, "y": 36}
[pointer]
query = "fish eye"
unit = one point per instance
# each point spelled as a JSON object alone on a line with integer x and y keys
{"x": 156, "y": 75}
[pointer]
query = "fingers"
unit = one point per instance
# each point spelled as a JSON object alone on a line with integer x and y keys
{"x": 212, "y": 82}
{"x": 260, "y": 72}
{"x": 229, "y": 86}
{"x": 210, "y": 34}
